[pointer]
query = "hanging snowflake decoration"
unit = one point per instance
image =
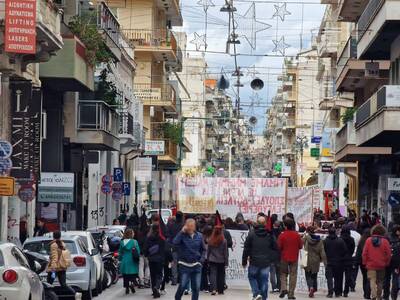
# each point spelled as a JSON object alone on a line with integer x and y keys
{"x": 281, "y": 11}
{"x": 248, "y": 26}
{"x": 206, "y": 4}
{"x": 280, "y": 46}
{"x": 255, "y": 99}
{"x": 199, "y": 41}
{"x": 252, "y": 72}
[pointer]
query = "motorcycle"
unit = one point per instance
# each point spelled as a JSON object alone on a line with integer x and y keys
{"x": 111, "y": 269}
{"x": 49, "y": 293}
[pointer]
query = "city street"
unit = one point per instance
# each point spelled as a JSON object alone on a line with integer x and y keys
{"x": 117, "y": 292}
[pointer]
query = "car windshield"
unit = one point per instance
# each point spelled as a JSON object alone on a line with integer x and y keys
{"x": 43, "y": 247}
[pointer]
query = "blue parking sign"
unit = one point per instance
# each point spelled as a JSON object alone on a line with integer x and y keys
{"x": 118, "y": 174}
{"x": 126, "y": 186}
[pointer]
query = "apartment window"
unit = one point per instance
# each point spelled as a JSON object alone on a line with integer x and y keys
{"x": 395, "y": 72}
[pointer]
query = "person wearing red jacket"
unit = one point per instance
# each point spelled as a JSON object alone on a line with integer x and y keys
{"x": 289, "y": 244}
{"x": 376, "y": 257}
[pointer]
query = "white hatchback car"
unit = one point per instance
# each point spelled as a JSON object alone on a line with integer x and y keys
{"x": 17, "y": 280}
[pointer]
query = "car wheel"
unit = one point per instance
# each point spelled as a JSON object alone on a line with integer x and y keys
{"x": 87, "y": 295}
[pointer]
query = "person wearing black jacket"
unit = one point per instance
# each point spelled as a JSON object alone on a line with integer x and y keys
{"x": 394, "y": 240}
{"x": 174, "y": 228}
{"x": 260, "y": 250}
{"x": 360, "y": 247}
{"x": 348, "y": 259}
{"x": 154, "y": 250}
{"x": 336, "y": 251}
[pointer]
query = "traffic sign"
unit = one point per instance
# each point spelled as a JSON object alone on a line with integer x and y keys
{"x": 126, "y": 186}
{"x": 7, "y": 186}
{"x": 117, "y": 187}
{"x": 107, "y": 179}
{"x": 118, "y": 174}
{"x": 26, "y": 193}
{"x": 5, "y": 165}
{"x": 314, "y": 152}
{"x": 316, "y": 139}
{"x": 5, "y": 149}
{"x": 106, "y": 188}
{"x": 116, "y": 196}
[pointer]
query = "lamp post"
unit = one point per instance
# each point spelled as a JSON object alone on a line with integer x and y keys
{"x": 301, "y": 144}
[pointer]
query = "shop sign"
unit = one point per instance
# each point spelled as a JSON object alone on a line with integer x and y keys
{"x": 7, "y": 186}
{"x": 154, "y": 147}
{"x": 314, "y": 152}
{"x": 20, "y": 27}
{"x": 56, "y": 187}
{"x": 394, "y": 184}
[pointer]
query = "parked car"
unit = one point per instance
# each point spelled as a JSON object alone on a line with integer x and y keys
{"x": 81, "y": 275}
{"x": 87, "y": 238}
{"x": 17, "y": 280}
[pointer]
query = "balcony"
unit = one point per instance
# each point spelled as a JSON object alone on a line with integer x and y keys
{"x": 48, "y": 18}
{"x": 130, "y": 132}
{"x": 377, "y": 28}
{"x": 172, "y": 10}
{"x": 346, "y": 149}
{"x": 160, "y": 42}
{"x": 289, "y": 96}
{"x": 156, "y": 95}
{"x": 327, "y": 44}
{"x": 289, "y": 124}
{"x": 351, "y": 71}
{"x": 69, "y": 70}
{"x": 378, "y": 119}
{"x": 344, "y": 100}
{"x": 170, "y": 155}
{"x": 350, "y": 10}
{"x": 97, "y": 125}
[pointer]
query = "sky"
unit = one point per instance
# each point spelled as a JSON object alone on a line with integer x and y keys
{"x": 259, "y": 23}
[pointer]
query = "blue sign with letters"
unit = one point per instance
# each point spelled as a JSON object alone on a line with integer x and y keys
{"x": 316, "y": 139}
{"x": 5, "y": 149}
{"x": 118, "y": 174}
{"x": 5, "y": 165}
{"x": 126, "y": 186}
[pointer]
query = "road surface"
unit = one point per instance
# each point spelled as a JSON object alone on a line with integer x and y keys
{"x": 117, "y": 292}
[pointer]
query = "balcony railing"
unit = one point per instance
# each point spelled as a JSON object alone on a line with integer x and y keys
{"x": 162, "y": 38}
{"x": 368, "y": 16}
{"x": 345, "y": 136}
{"x": 386, "y": 96}
{"x": 109, "y": 23}
{"x": 155, "y": 93}
{"x": 50, "y": 16}
{"x": 97, "y": 115}
{"x": 126, "y": 123}
{"x": 349, "y": 51}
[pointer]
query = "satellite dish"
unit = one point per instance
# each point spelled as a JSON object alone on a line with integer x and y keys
{"x": 257, "y": 84}
{"x": 223, "y": 83}
{"x": 253, "y": 120}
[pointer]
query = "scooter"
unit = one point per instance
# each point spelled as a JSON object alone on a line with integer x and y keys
{"x": 33, "y": 257}
{"x": 111, "y": 268}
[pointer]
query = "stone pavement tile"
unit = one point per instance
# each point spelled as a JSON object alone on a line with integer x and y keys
{"x": 117, "y": 292}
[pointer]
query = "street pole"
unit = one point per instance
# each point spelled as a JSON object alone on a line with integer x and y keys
{"x": 301, "y": 159}
{"x": 230, "y": 152}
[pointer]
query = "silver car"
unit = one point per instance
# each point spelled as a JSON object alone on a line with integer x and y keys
{"x": 82, "y": 274}
{"x": 17, "y": 280}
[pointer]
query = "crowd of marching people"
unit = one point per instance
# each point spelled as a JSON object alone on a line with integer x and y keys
{"x": 192, "y": 252}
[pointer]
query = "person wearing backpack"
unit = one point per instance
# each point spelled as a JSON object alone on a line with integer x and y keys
{"x": 154, "y": 250}
{"x": 376, "y": 257}
{"x": 128, "y": 255}
{"x": 59, "y": 262}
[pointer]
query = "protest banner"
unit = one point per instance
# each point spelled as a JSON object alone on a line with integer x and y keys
{"x": 300, "y": 202}
{"x": 232, "y": 195}
{"x": 302, "y": 282}
{"x": 196, "y": 195}
{"x": 236, "y": 275}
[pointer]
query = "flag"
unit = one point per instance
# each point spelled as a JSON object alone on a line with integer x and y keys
{"x": 268, "y": 224}
{"x": 218, "y": 219}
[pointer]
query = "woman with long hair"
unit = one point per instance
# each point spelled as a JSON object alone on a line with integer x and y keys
{"x": 128, "y": 256}
{"x": 218, "y": 259}
{"x": 154, "y": 250}
{"x": 56, "y": 268}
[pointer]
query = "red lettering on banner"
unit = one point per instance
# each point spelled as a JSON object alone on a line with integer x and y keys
{"x": 20, "y": 27}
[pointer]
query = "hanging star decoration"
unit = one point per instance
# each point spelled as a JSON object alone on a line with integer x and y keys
{"x": 248, "y": 26}
{"x": 206, "y": 4}
{"x": 255, "y": 99}
{"x": 252, "y": 72}
{"x": 280, "y": 46}
{"x": 281, "y": 12}
{"x": 199, "y": 41}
